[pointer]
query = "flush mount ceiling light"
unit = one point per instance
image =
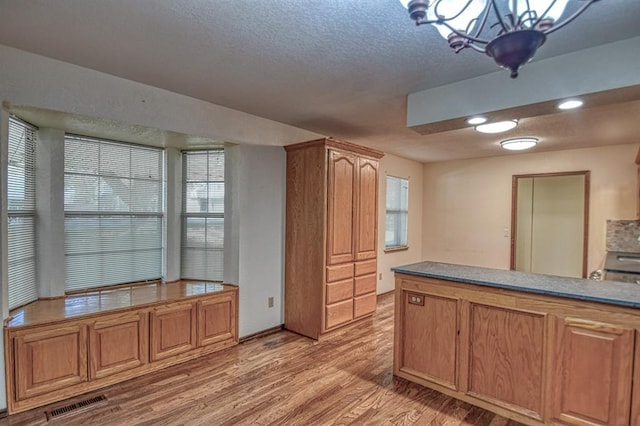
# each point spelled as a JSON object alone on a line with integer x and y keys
{"x": 497, "y": 127}
{"x": 570, "y": 104}
{"x": 518, "y": 144}
{"x": 510, "y": 31}
{"x": 478, "y": 119}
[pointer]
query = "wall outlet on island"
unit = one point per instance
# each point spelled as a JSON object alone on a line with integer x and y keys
{"x": 270, "y": 302}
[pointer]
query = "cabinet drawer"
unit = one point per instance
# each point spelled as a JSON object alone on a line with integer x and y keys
{"x": 339, "y": 313}
{"x": 365, "y": 268}
{"x": 340, "y": 272}
{"x": 340, "y": 290}
{"x": 364, "y": 305}
{"x": 366, "y": 284}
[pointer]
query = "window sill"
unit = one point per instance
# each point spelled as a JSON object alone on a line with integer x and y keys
{"x": 395, "y": 249}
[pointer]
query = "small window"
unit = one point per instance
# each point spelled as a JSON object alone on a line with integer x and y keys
{"x": 397, "y": 213}
{"x": 203, "y": 215}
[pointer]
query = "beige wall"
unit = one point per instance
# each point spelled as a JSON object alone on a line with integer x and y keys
{"x": 412, "y": 170}
{"x": 467, "y": 204}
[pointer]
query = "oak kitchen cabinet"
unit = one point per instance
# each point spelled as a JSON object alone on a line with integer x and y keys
{"x": 638, "y": 186}
{"x": 59, "y": 348}
{"x": 331, "y": 235}
{"x": 535, "y": 358}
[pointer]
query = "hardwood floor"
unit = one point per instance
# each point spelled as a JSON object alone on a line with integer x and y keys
{"x": 280, "y": 379}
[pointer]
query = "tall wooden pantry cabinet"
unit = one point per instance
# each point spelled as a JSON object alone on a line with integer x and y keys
{"x": 331, "y": 235}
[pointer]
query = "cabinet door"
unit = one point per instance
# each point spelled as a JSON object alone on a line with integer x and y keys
{"x": 429, "y": 337}
{"x": 340, "y": 201}
{"x": 592, "y": 373}
{"x": 173, "y": 330}
{"x": 117, "y": 343}
{"x": 216, "y": 320}
{"x": 505, "y": 359}
{"x": 50, "y": 359}
{"x": 366, "y": 209}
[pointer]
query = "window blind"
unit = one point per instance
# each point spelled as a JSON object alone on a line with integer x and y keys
{"x": 113, "y": 200}
{"x": 21, "y": 207}
{"x": 397, "y": 212}
{"x": 203, "y": 215}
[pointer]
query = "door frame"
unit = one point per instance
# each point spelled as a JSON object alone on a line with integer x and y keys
{"x": 514, "y": 203}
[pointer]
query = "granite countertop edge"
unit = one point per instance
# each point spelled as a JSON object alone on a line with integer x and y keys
{"x": 609, "y": 292}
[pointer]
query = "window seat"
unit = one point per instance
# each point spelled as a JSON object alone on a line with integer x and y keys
{"x": 59, "y": 348}
{"x": 99, "y": 302}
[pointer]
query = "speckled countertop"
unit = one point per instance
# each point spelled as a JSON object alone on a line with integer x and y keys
{"x": 611, "y": 292}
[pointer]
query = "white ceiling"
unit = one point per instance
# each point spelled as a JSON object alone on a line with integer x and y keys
{"x": 341, "y": 68}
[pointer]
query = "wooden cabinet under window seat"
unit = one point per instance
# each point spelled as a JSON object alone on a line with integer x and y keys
{"x": 59, "y": 348}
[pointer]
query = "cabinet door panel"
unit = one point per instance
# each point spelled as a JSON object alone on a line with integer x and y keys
{"x": 339, "y": 272}
{"x": 506, "y": 357}
{"x": 366, "y": 209}
{"x": 173, "y": 330}
{"x": 430, "y": 337}
{"x": 364, "y": 305}
{"x": 366, "y": 267}
{"x": 49, "y": 360}
{"x": 340, "y": 200}
{"x": 338, "y": 291}
{"x": 216, "y": 320}
{"x": 117, "y": 344}
{"x": 365, "y": 284}
{"x": 339, "y": 313}
{"x": 592, "y": 380}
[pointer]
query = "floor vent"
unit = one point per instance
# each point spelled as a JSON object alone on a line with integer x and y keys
{"x": 76, "y": 407}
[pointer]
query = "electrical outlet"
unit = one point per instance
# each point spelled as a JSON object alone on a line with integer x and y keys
{"x": 270, "y": 302}
{"x": 380, "y": 276}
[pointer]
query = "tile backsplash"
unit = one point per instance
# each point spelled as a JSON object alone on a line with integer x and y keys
{"x": 623, "y": 235}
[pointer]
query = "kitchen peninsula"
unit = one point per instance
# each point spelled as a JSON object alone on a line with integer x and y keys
{"x": 539, "y": 349}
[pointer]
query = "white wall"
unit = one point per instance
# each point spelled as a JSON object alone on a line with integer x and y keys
{"x": 37, "y": 81}
{"x": 469, "y": 97}
{"x": 391, "y": 165}
{"x": 467, "y": 204}
{"x": 255, "y": 222}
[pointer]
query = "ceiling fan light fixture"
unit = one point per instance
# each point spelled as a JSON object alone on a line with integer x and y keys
{"x": 519, "y": 144}
{"x": 497, "y": 127}
{"x": 510, "y": 34}
{"x": 477, "y": 119}
{"x": 570, "y": 104}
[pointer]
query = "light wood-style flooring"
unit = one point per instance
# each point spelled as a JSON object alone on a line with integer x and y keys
{"x": 280, "y": 379}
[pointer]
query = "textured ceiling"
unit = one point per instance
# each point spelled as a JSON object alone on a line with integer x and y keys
{"x": 341, "y": 68}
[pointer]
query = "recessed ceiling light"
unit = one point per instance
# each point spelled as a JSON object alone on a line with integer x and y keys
{"x": 570, "y": 104}
{"x": 478, "y": 119}
{"x": 518, "y": 144}
{"x": 497, "y": 127}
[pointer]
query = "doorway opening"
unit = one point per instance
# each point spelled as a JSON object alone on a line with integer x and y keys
{"x": 549, "y": 223}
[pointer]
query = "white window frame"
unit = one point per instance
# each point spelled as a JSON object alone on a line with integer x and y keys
{"x": 193, "y": 258}
{"x": 398, "y": 210}
{"x": 21, "y": 268}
